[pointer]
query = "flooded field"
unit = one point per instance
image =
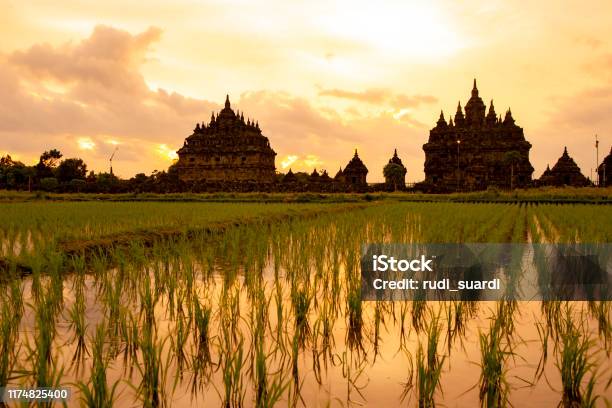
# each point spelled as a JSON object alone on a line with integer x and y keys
{"x": 270, "y": 313}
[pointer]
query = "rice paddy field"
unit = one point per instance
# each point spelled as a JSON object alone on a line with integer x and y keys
{"x": 246, "y": 304}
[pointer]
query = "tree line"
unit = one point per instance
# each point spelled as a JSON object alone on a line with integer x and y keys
{"x": 53, "y": 173}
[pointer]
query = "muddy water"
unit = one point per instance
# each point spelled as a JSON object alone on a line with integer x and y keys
{"x": 372, "y": 371}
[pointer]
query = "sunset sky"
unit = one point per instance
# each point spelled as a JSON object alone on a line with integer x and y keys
{"x": 321, "y": 77}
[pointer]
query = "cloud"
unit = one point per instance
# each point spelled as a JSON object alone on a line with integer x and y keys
{"x": 85, "y": 143}
{"x": 381, "y": 96}
{"x": 288, "y": 161}
{"x": 324, "y": 138}
{"x": 589, "y": 41}
{"x": 109, "y": 57}
{"x": 93, "y": 90}
{"x": 166, "y": 152}
{"x": 600, "y": 67}
{"x": 312, "y": 160}
{"x": 80, "y": 96}
{"x": 574, "y": 121}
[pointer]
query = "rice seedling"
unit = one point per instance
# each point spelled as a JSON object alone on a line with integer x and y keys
{"x": 179, "y": 341}
{"x": 429, "y": 364}
{"x": 602, "y": 311}
{"x": 575, "y": 363}
{"x": 355, "y": 319}
{"x": 96, "y": 392}
{"x": 130, "y": 332}
{"x": 78, "y": 325}
{"x": 154, "y": 369}
{"x": 353, "y": 367}
{"x": 202, "y": 316}
{"x": 233, "y": 385}
{"x": 495, "y": 351}
{"x": 11, "y": 311}
{"x": 300, "y": 300}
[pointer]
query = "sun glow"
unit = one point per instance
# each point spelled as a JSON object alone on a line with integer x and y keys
{"x": 167, "y": 153}
{"x": 401, "y": 28}
{"x": 312, "y": 160}
{"x": 288, "y": 161}
{"x": 86, "y": 143}
{"x": 402, "y": 112}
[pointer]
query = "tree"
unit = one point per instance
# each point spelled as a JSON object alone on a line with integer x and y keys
{"x": 29, "y": 173}
{"x": 394, "y": 175}
{"x": 47, "y": 163}
{"x": 139, "y": 178}
{"x": 77, "y": 184}
{"x": 6, "y": 162}
{"x": 106, "y": 183}
{"x": 49, "y": 183}
{"x": 512, "y": 158}
{"x": 71, "y": 169}
{"x": 13, "y": 174}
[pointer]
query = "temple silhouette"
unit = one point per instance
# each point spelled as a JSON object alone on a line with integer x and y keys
{"x": 351, "y": 179}
{"x": 604, "y": 171}
{"x": 476, "y": 150}
{"x": 227, "y": 150}
{"x": 564, "y": 173}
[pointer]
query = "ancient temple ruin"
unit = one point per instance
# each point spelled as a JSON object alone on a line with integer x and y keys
{"x": 564, "y": 173}
{"x": 604, "y": 171}
{"x": 476, "y": 150}
{"x": 228, "y": 149}
{"x": 355, "y": 172}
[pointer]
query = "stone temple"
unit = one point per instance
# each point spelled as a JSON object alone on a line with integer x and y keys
{"x": 564, "y": 173}
{"x": 354, "y": 174}
{"x": 604, "y": 171}
{"x": 227, "y": 150}
{"x": 477, "y": 150}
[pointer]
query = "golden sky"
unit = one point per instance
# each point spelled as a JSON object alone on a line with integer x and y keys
{"x": 321, "y": 77}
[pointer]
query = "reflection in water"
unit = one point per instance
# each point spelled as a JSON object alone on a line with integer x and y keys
{"x": 269, "y": 314}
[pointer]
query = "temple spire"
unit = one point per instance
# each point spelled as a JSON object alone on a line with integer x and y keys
{"x": 227, "y": 101}
{"x": 491, "y": 116}
{"x": 441, "y": 120}
{"x": 475, "y": 89}
{"x": 459, "y": 118}
{"x": 508, "y": 119}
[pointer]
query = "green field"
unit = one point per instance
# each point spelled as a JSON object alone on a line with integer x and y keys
{"x": 591, "y": 195}
{"x": 266, "y": 310}
{"x": 31, "y": 230}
